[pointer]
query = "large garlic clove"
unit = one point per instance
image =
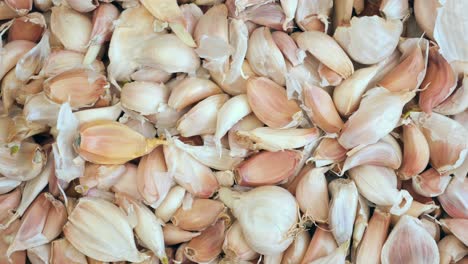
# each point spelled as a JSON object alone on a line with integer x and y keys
{"x": 321, "y": 46}
{"x": 457, "y": 102}
{"x": 369, "y": 39}
{"x": 265, "y": 57}
{"x": 415, "y": 152}
{"x": 63, "y": 18}
{"x": 370, "y": 248}
{"x": 112, "y": 241}
{"x": 343, "y": 206}
{"x": 235, "y": 247}
{"x": 439, "y": 82}
{"x": 12, "y": 52}
{"x": 454, "y": 199}
{"x": 267, "y": 168}
{"x": 170, "y": 204}
{"x": 370, "y": 181}
{"x": 312, "y": 195}
{"x": 144, "y": 97}
{"x": 329, "y": 151}
{"x": 257, "y": 89}
{"x": 29, "y": 27}
{"x": 208, "y": 245}
{"x": 430, "y": 183}
{"x": 409, "y": 242}
{"x": 458, "y": 227}
{"x": 61, "y": 251}
{"x": 448, "y": 140}
{"x": 203, "y": 213}
{"x": 322, "y": 244}
{"x": 378, "y": 114}
{"x": 313, "y": 14}
{"x": 22, "y": 162}
{"x": 191, "y": 90}
{"x": 451, "y": 250}
{"x": 426, "y": 14}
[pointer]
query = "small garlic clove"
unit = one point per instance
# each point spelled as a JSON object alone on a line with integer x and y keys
{"x": 29, "y": 27}
{"x": 10, "y": 86}
{"x": 83, "y": 6}
{"x": 42, "y": 223}
{"x": 239, "y": 40}
{"x": 439, "y": 82}
{"x": 110, "y": 113}
{"x": 170, "y": 204}
{"x": 38, "y": 108}
{"x": 267, "y": 168}
{"x": 370, "y": 248}
{"x": 312, "y": 195}
{"x": 112, "y": 241}
{"x": 365, "y": 126}
{"x": 117, "y": 143}
{"x": 453, "y": 200}
{"x": 321, "y": 109}
{"x": 64, "y": 60}
{"x": 458, "y": 227}
{"x": 22, "y": 162}
{"x": 342, "y": 212}
{"x": 22, "y": 7}
{"x": 12, "y": 52}
{"x": 192, "y": 175}
{"x": 6, "y": 238}
{"x": 61, "y": 251}
{"x": 447, "y": 152}
{"x": 416, "y": 152}
{"x": 202, "y": 214}
{"x": 296, "y": 251}
{"x": 32, "y": 88}
{"x": 236, "y": 142}
{"x": 39, "y": 254}
{"x": 457, "y": 102}
{"x": 343, "y": 11}
{"x": 144, "y": 97}
{"x": 312, "y": 15}
{"x": 289, "y": 8}
{"x": 208, "y": 245}
{"x": 329, "y": 151}
{"x": 321, "y": 46}
{"x": 360, "y": 224}
{"x": 270, "y": 15}
{"x": 337, "y": 256}
{"x": 235, "y": 247}
{"x": 322, "y": 244}
{"x": 288, "y": 47}
{"x": 426, "y": 14}
{"x": 431, "y": 226}
{"x": 290, "y": 115}
{"x": 360, "y": 40}
{"x": 301, "y": 75}
{"x": 419, "y": 247}
{"x": 8, "y": 203}
{"x": 151, "y": 75}
{"x": 63, "y": 18}
{"x": 191, "y": 90}
{"x": 174, "y": 235}
{"x": 273, "y": 259}
{"x": 430, "y": 183}
{"x": 451, "y": 250}
{"x": 265, "y": 57}
{"x": 394, "y": 9}
{"x": 417, "y": 209}
{"x": 328, "y": 77}
{"x": 225, "y": 178}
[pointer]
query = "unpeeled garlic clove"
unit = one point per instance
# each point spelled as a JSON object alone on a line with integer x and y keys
{"x": 430, "y": 183}
{"x": 38, "y": 108}
{"x": 265, "y": 57}
{"x": 83, "y": 6}
{"x": 144, "y": 97}
{"x": 63, "y": 18}
{"x": 453, "y": 200}
{"x": 448, "y": 140}
{"x": 328, "y": 77}
{"x": 22, "y": 162}
{"x": 296, "y": 251}
{"x": 321, "y": 46}
{"x": 192, "y": 14}
{"x": 151, "y": 75}
{"x": 101, "y": 176}
{"x": 208, "y": 245}
{"x": 267, "y": 168}
{"x": 126, "y": 183}
{"x": 426, "y": 14}
{"x": 439, "y": 82}
{"x": 170, "y": 204}
{"x": 61, "y": 251}
{"x": 289, "y": 8}
{"x": 195, "y": 177}
{"x": 321, "y": 245}
{"x": 312, "y": 15}
{"x": 288, "y": 47}
{"x": 8, "y": 203}
{"x": 32, "y": 88}
{"x": 81, "y": 88}
{"x": 191, "y": 90}
{"x": 329, "y": 151}
{"x": 201, "y": 119}
{"x": 417, "y": 209}
{"x": 270, "y": 15}
{"x": 337, "y": 256}
{"x": 39, "y": 254}
{"x": 370, "y": 247}
{"x": 235, "y": 247}
{"x": 431, "y": 226}
{"x": 278, "y": 139}
{"x": 257, "y": 89}
{"x": 451, "y": 250}
{"x": 22, "y": 7}
{"x": 202, "y": 214}
{"x": 394, "y": 9}
{"x": 29, "y": 28}
{"x": 457, "y": 102}
{"x": 364, "y": 127}
{"x": 42, "y": 223}
{"x": 370, "y": 181}
{"x": 112, "y": 241}
{"x": 6, "y": 12}
{"x": 360, "y": 224}
{"x": 6, "y": 238}
{"x": 358, "y": 39}
{"x": 321, "y": 110}
{"x": 415, "y": 152}
{"x": 312, "y": 195}
{"x": 236, "y": 143}
{"x": 400, "y": 247}
{"x": 9, "y": 89}
{"x": 12, "y": 52}
{"x": 458, "y": 227}
{"x": 119, "y": 145}
{"x": 64, "y": 60}
{"x": 174, "y": 235}
{"x": 342, "y": 212}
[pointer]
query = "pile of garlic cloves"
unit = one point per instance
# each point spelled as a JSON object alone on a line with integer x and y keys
{"x": 235, "y": 132}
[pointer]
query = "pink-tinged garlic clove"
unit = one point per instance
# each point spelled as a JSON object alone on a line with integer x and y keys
{"x": 312, "y": 195}
{"x": 430, "y": 183}
{"x": 191, "y": 90}
{"x": 454, "y": 200}
{"x": 203, "y": 213}
{"x": 415, "y": 152}
{"x": 322, "y": 244}
{"x": 174, "y": 235}
{"x": 321, "y": 109}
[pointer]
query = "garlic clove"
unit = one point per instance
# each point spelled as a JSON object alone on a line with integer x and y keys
{"x": 337, "y": 256}
{"x": 239, "y": 40}
{"x": 8, "y": 203}
{"x": 322, "y": 244}
{"x": 39, "y": 254}
{"x": 6, "y": 12}
{"x": 370, "y": 247}
{"x": 208, "y": 245}
{"x": 457, "y": 102}
{"x": 62, "y": 19}
{"x": 83, "y": 6}
{"x": 6, "y": 238}
{"x": 458, "y": 227}
{"x": 191, "y": 90}
{"x": 38, "y": 108}
{"x": 151, "y": 75}
{"x": 126, "y": 183}
{"x": 10, "y": 86}
{"x": 321, "y": 109}
{"x": 22, "y": 162}
{"x": 453, "y": 200}
{"x": 312, "y": 15}
{"x": 270, "y": 15}
{"x": 288, "y": 47}
{"x": 328, "y": 77}
{"x": 312, "y": 195}
{"x": 416, "y": 152}
{"x": 101, "y": 176}
{"x": 296, "y": 251}
{"x": 61, "y": 251}
{"x": 401, "y": 247}
{"x": 369, "y": 39}
{"x": 329, "y": 151}
{"x": 416, "y": 209}
{"x": 343, "y": 11}
{"x": 29, "y": 27}
{"x": 144, "y": 97}
{"x": 266, "y": 168}
{"x": 394, "y": 9}
{"x": 110, "y": 113}
{"x": 431, "y": 226}
{"x": 257, "y": 89}
{"x": 426, "y": 14}
{"x": 192, "y": 14}
{"x": 170, "y": 204}
{"x": 265, "y": 57}
{"x": 451, "y": 250}
{"x": 60, "y": 61}
{"x": 236, "y": 141}
{"x": 203, "y": 213}
{"x": 235, "y": 247}
{"x": 430, "y": 183}
{"x": 174, "y": 235}
{"x": 32, "y": 88}
{"x": 321, "y": 46}
{"x": 22, "y": 7}
{"x": 12, "y": 52}
{"x": 360, "y": 224}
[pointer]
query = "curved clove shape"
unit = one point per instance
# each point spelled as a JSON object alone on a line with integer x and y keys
{"x": 235, "y": 247}
{"x": 144, "y": 97}
{"x": 62, "y": 19}
{"x": 30, "y": 27}
{"x": 288, "y": 47}
{"x": 312, "y": 195}
{"x": 430, "y": 183}
{"x": 322, "y": 244}
{"x": 451, "y": 250}
{"x": 425, "y": 12}
{"x": 174, "y": 235}
{"x": 454, "y": 200}
{"x": 370, "y": 247}
{"x": 7, "y": 236}
{"x": 208, "y": 245}
{"x": 8, "y": 203}
{"x": 61, "y": 251}
{"x": 170, "y": 204}
{"x": 458, "y": 227}
{"x": 202, "y": 214}
{"x": 296, "y": 251}
{"x": 236, "y": 142}
{"x": 313, "y": 15}
{"x": 60, "y": 61}
{"x": 267, "y": 168}
{"x": 191, "y": 90}
{"x": 415, "y": 152}
{"x": 457, "y": 102}
{"x": 321, "y": 109}
{"x": 12, "y": 52}
{"x": 83, "y": 6}
{"x": 329, "y": 151}
{"x": 22, "y": 7}
{"x": 22, "y": 162}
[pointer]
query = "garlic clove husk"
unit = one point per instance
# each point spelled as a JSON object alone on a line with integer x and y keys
{"x": 61, "y": 251}
{"x": 32, "y": 88}
{"x": 451, "y": 250}
{"x": 426, "y": 14}
{"x": 301, "y": 75}
{"x": 360, "y": 40}
{"x": 62, "y": 19}
{"x": 208, "y": 245}
{"x": 22, "y": 162}
{"x": 86, "y": 231}
{"x": 415, "y": 152}
{"x": 102, "y": 177}
{"x": 29, "y": 27}
{"x": 265, "y": 57}
{"x": 447, "y": 152}
{"x": 320, "y": 45}
{"x": 267, "y": 168}
{"x": 312, "y": 195}
{"x": 236, "y": 142}
{"x": 201, "y": 119}
{"x": 456, "y": 226}
{"x": 174, "y": 235}
{"x": 321, "y": 110}
{"x": 38, "y": 108}
{"x": 289, "y": 8}
{"x": 329, "y": 151}
{"x": 457, "y": 102}
{"x": 12, "y": 52}
{"x": 343, "y": 11}
{"x": 239, "y": 40}
{"x": 117, "y": 143}
{"x": 39, "y": 254}
{"x": 235, "y": 247}
{"x": 10, "y": 86}
{"x": 126, "y": 183}
{"x": 202, "y": 214}
{"x": 430, "y": 183}
{"x": 290, "y": 115}
{"x": 149, "y": 74}
{"x": 454, "y": 200}
{"x": 110, "y": 113}
{"x": 288, "y": 47}
{"x": 144, "y": 97}
{"x": 342, "y": 212}
{"x": 297, "y": 250}
{"x": 191, "y": 90}
{"x": 313, "y": 14}
{"x": 419, "y": 247}
{"x": 322, "y": 244}
{"x": 83, "y": 6}
{"x": 64, "y": 60}
{"x": 366, "y": 125}
{"x": 170, "y": 203}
